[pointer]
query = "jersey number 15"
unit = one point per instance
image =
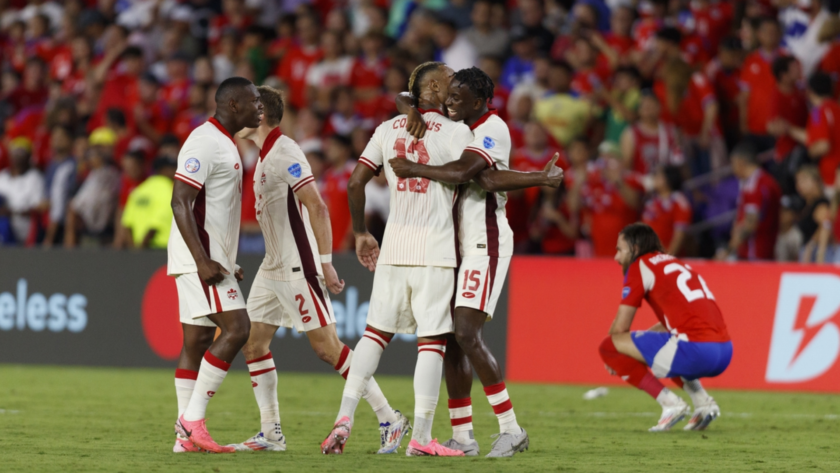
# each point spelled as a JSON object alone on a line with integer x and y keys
{"x": 417, "y": 185}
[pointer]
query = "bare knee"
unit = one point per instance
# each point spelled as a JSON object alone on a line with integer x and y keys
{"x": 468, "y": 339}
{"x": 238, "y": 331}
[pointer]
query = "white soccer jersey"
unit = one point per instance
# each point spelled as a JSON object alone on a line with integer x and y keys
{"x": 420, "y": 229}
{"x": 482, "y": 221}
{"x": 291, "y": 251}
{"x": 209, "y": 161}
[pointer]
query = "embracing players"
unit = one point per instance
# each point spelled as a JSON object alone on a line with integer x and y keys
{"x": 415, "y": 274}
{"x": 689, "y": 342}
{"x": 206, "y": 203}
{"x": 485, "y": 249}
{"x": 290, "y": 289}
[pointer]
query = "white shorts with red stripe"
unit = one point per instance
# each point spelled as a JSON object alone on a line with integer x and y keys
{"x": 296, "y": 303}
{"x": 197, "y": 300}
{"x": 480, "y": 282}
{"x": 406, "y": 299}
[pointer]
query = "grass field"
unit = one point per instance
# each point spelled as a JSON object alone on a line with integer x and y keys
{"x": 120, "y": 420}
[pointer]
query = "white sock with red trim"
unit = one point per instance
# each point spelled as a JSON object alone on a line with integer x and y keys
{"x": 460, "y": 415}
{"x": 373, "y": 395}
{"x": 210, "y": 376}
{"x": 264, "y": 382}
{"x": 184, "y": 386}
{"x": 427, "y": 378}
{"x": 498, "y": 396}
{"x": 368, "y": 352}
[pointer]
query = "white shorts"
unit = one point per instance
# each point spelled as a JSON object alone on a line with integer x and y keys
{"x": 298, "y": 303}
{"x": 480, "y": 282}
{"x": 196, "y": 300}
{"x": 406, "y": 299}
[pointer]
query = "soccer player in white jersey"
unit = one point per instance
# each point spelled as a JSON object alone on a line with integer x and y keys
{"x": 206, "y": 203}
{"x": 486, "y": 246}
{"x": 290, "y": 290}
{"x": 414, "y": 278}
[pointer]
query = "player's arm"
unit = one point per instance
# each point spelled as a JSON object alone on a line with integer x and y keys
{"x": 319, "y": 218}
{"x": 367, "y": 249}
{"x": 623, "y": 319}
{"x": 183, "y": 197}
{"x": 741, "y": 232}
{"x": 459, "y": 171}
{"x": 415, "y": 126}
{"x": 498, "y": 180}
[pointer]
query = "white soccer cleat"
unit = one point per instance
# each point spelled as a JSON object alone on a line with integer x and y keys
{"x": 670, "y": 416}
{"x": 391, "y": 434}
{"x": 258, "y": 443}
{"x": 703, "y": 416}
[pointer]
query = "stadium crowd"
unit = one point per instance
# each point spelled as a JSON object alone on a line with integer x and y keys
{"x": 714, "y": 121}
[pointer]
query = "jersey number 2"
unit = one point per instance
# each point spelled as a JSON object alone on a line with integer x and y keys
{"x": 417, "y": 185}
{"x": 682, "y": 283}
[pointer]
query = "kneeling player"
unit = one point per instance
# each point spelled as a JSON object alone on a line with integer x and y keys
{"x": 689, "y": 342}
{"x": 290, "y": 289}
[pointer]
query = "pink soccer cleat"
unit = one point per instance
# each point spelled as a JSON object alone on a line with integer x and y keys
{"x": 334, "y": 443}
{"x": 184, "y": 445}
{"x": 196, "y": 431}
{"x": 432, "y": 449}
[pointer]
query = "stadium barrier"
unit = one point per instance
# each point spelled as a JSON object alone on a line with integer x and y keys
{"x": 783, "y": 320}
{"x": 109, "y": 308}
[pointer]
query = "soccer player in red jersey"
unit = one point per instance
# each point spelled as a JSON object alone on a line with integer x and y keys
{"x": 689, "y": 342}
{"x": 822, "y": 134}
{"x": 668, "y": 211}
{"x": 758, "y": 83}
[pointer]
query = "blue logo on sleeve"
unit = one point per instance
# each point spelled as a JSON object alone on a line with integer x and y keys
{"x": 625, "y": 292}
{"x": 192, "y": 165}
{"x": 489, "y": 143}
{"x": 295, "y": 170}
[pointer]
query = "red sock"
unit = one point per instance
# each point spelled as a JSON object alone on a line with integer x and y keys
{"x": 678, "y": 381}
{"x": 633, "y": 371}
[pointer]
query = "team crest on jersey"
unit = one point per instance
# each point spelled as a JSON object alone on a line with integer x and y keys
{"x": 625, "y": 292}
{"x": 192, "y": 165}
{"x": 295, "y": 170}
{"x": 232, "y": 294}
{"x": 489, "y": 143}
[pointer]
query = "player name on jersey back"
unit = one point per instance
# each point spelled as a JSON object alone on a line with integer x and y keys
{"x": 209, "y": 161}
{"x": 420, "y": 229}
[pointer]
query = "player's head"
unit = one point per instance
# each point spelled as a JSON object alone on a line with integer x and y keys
{"x": 635, "y": 240}
{"x": 238, "y": 103}
{"x": 744, "y": 159}
{"x": 429, "y": 83}
{"x": 273, "y": 107}
{"x": 469, "y": 93}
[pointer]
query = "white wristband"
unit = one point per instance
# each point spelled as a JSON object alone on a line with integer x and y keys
{"x": 326, "y": 258}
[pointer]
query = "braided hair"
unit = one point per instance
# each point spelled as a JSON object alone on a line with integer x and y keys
{"x": 477, "y": 81}
{"x": 417, "y": 77}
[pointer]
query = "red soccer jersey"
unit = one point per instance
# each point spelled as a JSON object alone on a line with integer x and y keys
{"x": 757, "y": 77}
{"x": 334, "y": 190}
{"x": 500, "y": 101}
{"x": 679, "y": 297}
{"x": 727, "y": 87}
{"x": 176, "y": 94}
{"x": 644, "y": 32}
{"x": 689, "y": 115}
{"x": 587, "y": 81}
{"x": 713, "y": 22}
{"x": 623, "y": 45}
{"x": 293, "y": 69}
{"x": 760, "y": 195}
{"x": 824, "y": 124}
{"x": 609, "y": 213}
{"x": 654, "y": 149}
{"x": 667, "y": 215}
{"x": 120, "y": 91}
{"x": 793, "y": 108}
{"x": 368, "y": 74}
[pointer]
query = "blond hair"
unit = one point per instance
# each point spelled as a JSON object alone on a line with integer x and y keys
{"x": 273, "y": 105}
{"x": 417, "y": 76}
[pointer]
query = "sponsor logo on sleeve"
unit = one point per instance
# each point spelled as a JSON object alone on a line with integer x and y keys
{"x": 192, "y": 165}
{"x": 625, "y": 292}
{"x": 489, "y": 143}
{"x": 295, "y": 170}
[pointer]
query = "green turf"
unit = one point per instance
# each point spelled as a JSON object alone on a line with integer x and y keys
{"x": 112, "y": 420}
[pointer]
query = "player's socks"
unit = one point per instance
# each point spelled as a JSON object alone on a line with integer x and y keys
{"x": 368, "y": 352}
{"x": 210, "y": 376}
{"x": 633, "y": 371}
{"x": 184, "y": 385}
{"x": 699, "y": 396}
{"x": 678, "y": 381}
{"x": 264, "y": 382}
{"x": 498, "y": 396}
{"x": 373, "y": 395}
{"x": 460, "y": 415}
{"x": 427, "y": 378}
{"x": 667, "y": 398}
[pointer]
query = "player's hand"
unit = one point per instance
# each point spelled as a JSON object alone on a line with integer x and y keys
{"x": 334, "y": 284}
{"x": 402, "y": 167}
{"x": 553, "y": 174}
{"x": 239, "y": 274}
{"x": 211, "y": 272}
{"x": 367, "y": 250}
{"x": 415, "y": 126}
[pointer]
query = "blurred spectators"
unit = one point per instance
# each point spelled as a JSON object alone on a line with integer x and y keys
{"x": 21, "y": 190}
{"x": 147, "y": 216}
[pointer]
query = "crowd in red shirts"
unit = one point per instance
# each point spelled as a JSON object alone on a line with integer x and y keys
{"x": 714, "y": 121}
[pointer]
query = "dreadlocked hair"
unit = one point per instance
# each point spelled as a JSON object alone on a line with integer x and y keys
{"x": 477, "y": 81}
{"x": 417, "y": 77}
